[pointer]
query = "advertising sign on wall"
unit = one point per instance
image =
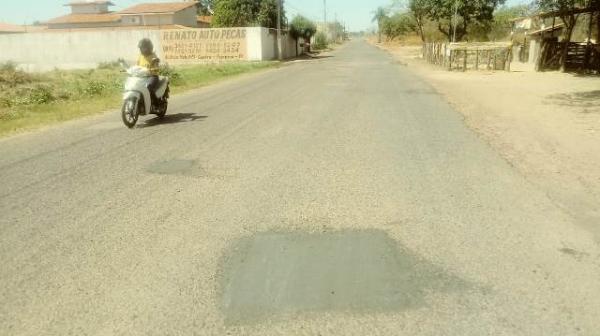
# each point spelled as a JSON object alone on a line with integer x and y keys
{"x": 219, "y": 44}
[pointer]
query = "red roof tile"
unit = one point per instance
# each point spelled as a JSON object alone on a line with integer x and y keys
{"x": 85, "y": 18}
{"x": 11, "y": 28}
{"x": 158, "y": 8}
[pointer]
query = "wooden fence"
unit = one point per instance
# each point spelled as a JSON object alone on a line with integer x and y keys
{"x": 581, "y": 57}
{"x": 469, "y": 56}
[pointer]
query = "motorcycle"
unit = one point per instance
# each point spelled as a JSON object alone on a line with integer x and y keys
{"x": 136, "y": 96}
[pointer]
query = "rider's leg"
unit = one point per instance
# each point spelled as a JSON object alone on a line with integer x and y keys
{"x": 152, "y": 87}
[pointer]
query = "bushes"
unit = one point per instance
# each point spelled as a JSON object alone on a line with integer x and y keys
{"x": 39, "y": 94}
{"x": 93, "y": 88}
{"x": 20, "y": 90}
{"x": 62, "y": 95}
{"x": 10, "y": 76}
{"x": 321, "y": 41}
{"x": 109, "y": 65}
{"x": 167, "y": 71}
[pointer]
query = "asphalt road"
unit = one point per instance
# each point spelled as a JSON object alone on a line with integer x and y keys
{"x": 338, "y": 196}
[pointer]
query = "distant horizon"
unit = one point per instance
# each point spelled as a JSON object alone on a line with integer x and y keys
{"x": 355, "y": 15}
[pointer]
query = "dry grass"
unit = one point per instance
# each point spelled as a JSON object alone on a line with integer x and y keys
{"x": 29, "y": 101}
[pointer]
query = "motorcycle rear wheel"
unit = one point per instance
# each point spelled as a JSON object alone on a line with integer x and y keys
{"x": 163, "y": 109}
{"x": 164, "y": 106}
{"x": 129, "y": 112}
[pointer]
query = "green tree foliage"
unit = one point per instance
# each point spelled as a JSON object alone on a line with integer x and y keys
{"x": 469, "y": 12}
{"x": 398, "y": 24}
{"x": 301, "y": 27}
{"x": 379, "y": 16}
{"x": 420, "y": 12}
{"x": 246, "y": 13}
{"x": 321, "y": 41}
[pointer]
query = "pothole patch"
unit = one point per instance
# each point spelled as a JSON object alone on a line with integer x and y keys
{"x": 278, "y": 275}
{"x": 173, "y": 167}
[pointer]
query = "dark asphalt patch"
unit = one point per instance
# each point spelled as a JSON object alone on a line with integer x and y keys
{"x": 173, "y": 167}
{"x": 273, "y": 275}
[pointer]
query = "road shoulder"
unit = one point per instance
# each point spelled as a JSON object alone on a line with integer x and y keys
{"x": 546, "y": 125}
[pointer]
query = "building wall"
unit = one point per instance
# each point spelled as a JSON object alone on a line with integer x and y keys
{"x": 186, "y": 17}
{"x": 269, "y": 45}
{"x": 254, "y": 45}
{"x": 89, "y": 9}
{"x": 157, "y": 20}
{"x": 131, "y": 20}
{"x": 86, "y": 49}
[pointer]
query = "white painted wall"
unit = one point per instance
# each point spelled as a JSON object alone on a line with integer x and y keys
{"x": 254, "y": 48}
{"x": 86, "y": 49}
{"x": 269, "y": 45}
{"x": 73, "y": 50}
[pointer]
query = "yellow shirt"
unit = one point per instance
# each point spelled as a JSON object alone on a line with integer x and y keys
{"x": 149, "y": 62}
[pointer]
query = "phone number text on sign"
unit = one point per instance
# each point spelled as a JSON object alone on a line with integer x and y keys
{"x": 204, "y": 44}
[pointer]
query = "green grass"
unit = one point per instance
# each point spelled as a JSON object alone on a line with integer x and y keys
{"x": 30, "y": 101}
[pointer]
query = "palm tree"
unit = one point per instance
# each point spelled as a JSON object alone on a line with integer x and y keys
{"x": 379, "y": 16}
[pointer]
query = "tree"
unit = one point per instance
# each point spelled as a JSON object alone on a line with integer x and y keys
{"x": 379, "y": 16}
{"x": 564, "y": 10}
{"x": 244, "y": 13}
{"x": 420, "y": 12}
{"x": 468, "y": 12}
{"x": 336, "y": 30}
{"x": 397, "y": 25}
{"x": 301, "y": 27}
{"x": 267, "y": 14}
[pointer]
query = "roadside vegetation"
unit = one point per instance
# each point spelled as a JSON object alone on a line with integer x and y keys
{"x": 302, "y": 28}
{"x": 435, "y": 20}
{"x": 29, "y": 100}
{"x": 473, "y": 20}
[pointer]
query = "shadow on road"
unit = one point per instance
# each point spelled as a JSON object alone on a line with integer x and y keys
{"x": 576, "y": 99}
{"x": 172, "y": 119}
{"x": 308, "y": 57}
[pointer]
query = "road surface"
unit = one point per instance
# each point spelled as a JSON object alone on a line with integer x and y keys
{"x": 337, "y": 196}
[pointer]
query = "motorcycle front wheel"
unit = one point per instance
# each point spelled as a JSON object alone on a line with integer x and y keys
{"x": 129, "y": 112}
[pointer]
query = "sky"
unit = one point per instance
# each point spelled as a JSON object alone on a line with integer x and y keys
{"x": 356, "y": 14}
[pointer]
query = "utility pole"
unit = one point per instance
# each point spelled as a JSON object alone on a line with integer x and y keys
{"x": 279, "y": 43}
{"x": 325, "y": 11}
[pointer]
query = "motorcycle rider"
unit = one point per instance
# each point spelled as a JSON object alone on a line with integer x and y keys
{"x": 150, "y": 61}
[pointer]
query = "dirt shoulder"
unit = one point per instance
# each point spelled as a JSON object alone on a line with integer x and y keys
{"x": 547, "y": 125}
